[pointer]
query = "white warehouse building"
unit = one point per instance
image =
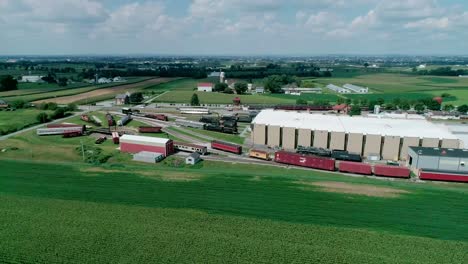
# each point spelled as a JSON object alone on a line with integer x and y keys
{"x": 356, "y": 89}
{"x": 338, "y": 89}
{"x": 388, "y": 138}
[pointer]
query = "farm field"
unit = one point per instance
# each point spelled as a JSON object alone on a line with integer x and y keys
{"x": 217, "y": 212}
{"x": 219, "y": 98}
{"x": 103, "y": 93}
{"x": 19, "y": 119}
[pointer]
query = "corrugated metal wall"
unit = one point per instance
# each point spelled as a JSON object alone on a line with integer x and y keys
{"x": 354, "y": 144}
{"x": 408, "y": 142}
{"x": 289, "y": 138}
{"x": 372, "y": 145}
{"x": 305, "y": 137}
{"x": 273, "y": 136}
{"x": 391, "y": 148}
{"x": 451, "y": 143}
{"x": 320, "y": 139}
{"x": 259, "y": 134}
{"x": 337, "y": 140}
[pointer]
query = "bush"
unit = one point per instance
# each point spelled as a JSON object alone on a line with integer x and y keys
{"x": 355, "y": 110}
{"x": 59, "y": 113}
{"x": 301, "y": 101}
{"x": 47, "y": 106}
{"x": 42, "y": 118}
{"x": 92, "y": 154}
{"x": 72, "y": 107}
{"x": 18, "y": 104}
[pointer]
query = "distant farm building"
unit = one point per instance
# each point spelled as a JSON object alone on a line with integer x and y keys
{"x": 118, "y": 79}
{"x": 148, "y": 157}
{"x": 259, "y": 90}
{"x": 205, "y": 87}
{"x": 291, "y": 90}
{"x": 31, "y": 78}
{"x": 120, "y": 99}
{"x": 355, "y": 88}
{"x": 338, "y": 89}
{"x": 103, "y": 80}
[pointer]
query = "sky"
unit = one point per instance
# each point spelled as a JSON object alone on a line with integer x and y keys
{"x": 233, "y": 27}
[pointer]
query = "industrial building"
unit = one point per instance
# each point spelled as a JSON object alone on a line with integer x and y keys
{"x": 338, "y": 89}
{"x": 388, "y": 138}
{"x": 135, "y": 144}
{"x": 438, "y": 159}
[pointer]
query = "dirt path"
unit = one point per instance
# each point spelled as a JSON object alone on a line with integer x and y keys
{"x": 105, "y": 91}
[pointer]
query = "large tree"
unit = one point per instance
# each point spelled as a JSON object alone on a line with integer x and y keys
{"x": 240, "y": 87}
{"x": 463, "y": 109}
{"x": 220, "y": 87}
{"x": 136, "y": 98}
{"x": 8, "y": 83}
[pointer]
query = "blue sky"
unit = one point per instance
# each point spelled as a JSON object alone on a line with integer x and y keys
{"x": 234, "y": 27}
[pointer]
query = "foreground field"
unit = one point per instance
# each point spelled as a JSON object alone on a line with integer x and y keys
{"x": 222, "y": 213}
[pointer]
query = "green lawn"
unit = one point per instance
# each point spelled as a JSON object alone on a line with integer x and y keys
{"x": 11, "y": 121}
{"x": 218, "y": 213}
{"x": 220, "y": 98}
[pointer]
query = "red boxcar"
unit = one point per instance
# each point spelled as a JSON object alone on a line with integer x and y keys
{"x": 115, "y": 138}
{"x": 305, "y": 160}
{"x": 391, "y": 171}
{"x": 229, "y": 147}
{"x": 143, "y": 129}
{"x": 72, "y": 134}
{"x": 355, "y": 167}
{"x": 443, "y": 176}
{"x": 157, "y": 116}
{"x": 61, "y": 125}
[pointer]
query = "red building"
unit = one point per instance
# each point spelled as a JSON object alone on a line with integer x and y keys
{"x": 135, "y": 144}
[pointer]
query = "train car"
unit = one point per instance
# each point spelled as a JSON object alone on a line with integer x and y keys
{"x": 59, "y": 130}
{"x": 187, "y": 147}
{"x": 443, "y": 176}
{"x": 148, "y": 129}
{"x": 209, "y": 119}
{"x": 96, "y": 120}
{"x": 115, "y": 138}
{"x": 72, "y": 134}
{"x": 61, "y": 125}
{"x": 259, "y": 154}
{"x": 100, "y": 140}
{"x": 314, "y": 151}
{"x": 188, "y": 123}
{"x": 355, "y": 167}
{"x": 391, "y": 171}
{"x": 124, "y": 120}
{"x": 160, "y": 117}
{"x": 85, "y": 118}
{"x": 346, "y": 156}
{"x": 110, "y": 120}
{"x": 244, "y": 118}
{"x": 225, "y": 146}
{"x": 194, "y": 110}
{"x": 309, "y": 161}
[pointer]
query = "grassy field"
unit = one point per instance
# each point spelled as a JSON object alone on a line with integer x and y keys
{"x": 19, "y": 119}
{"x": 218, "y": 212}
{"x": 53, "y": 92}
{"x": 220, "y": 98}
{"x": 219, "y": 136}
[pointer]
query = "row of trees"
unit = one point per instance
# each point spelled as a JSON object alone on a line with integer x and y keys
{"x": 442, "y": 71}
{"x": 274, "y": 83}
{"x": 192, "y": 72}
{"x": 295, "y": 69}
{"x": 8, "y": 83}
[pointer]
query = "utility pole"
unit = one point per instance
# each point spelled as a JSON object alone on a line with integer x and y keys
{"x": 82, "y": 149}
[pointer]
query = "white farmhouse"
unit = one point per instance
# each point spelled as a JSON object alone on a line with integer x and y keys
{"x": 205, "y": 87}
{"x": 31, "y": 78}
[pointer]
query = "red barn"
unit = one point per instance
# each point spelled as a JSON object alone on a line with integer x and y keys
{"x": 135, "y": 144}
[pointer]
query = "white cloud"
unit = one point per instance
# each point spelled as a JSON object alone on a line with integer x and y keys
{"x": 429, "y": 23}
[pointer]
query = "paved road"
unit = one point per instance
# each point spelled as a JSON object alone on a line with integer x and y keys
{"x": 39, "y": 126}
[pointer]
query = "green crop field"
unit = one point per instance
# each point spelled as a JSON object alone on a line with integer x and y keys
{"x": 218, "y": 212}
{"x": 51, "y": 92}
{"x": 11, "y": 121}
{"x": 220, "y": 98}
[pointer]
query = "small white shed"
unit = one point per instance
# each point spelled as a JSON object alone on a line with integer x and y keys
{"x": 193, "y": 159}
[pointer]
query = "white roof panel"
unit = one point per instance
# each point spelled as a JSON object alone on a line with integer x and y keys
{"x": 354, "y": 124}
{"x": 144, "y": 139}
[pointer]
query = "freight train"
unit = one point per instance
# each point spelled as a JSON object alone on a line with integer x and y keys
{"x": 94, "y": 120}
{"x": 330, "y": 164}
{"x": 259, "y": 154}
{"x": 148, "y": 129}
{"x": 160, "y": 117}
{"x": 336, "y": 154}
{"x": 188, "y": 123}
{"x": 187, "y": 147}
{"x": 225, "y": 146}
{"x": 124, "y": 120}
{"x": 60, "y": 130}
{"x": 129, "y": 111}
{"x": 194, "y": 110}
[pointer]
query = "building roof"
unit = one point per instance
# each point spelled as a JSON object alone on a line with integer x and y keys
{"x": 120, "y": 96}
{"x": 195, "y": 155}
{"x": 145, "y": 139}
{"x": 445, "y": 152}
{"x": 205, "y": 85}
{"x": 148, "y": 154}
{"x": 354, "y": 124}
